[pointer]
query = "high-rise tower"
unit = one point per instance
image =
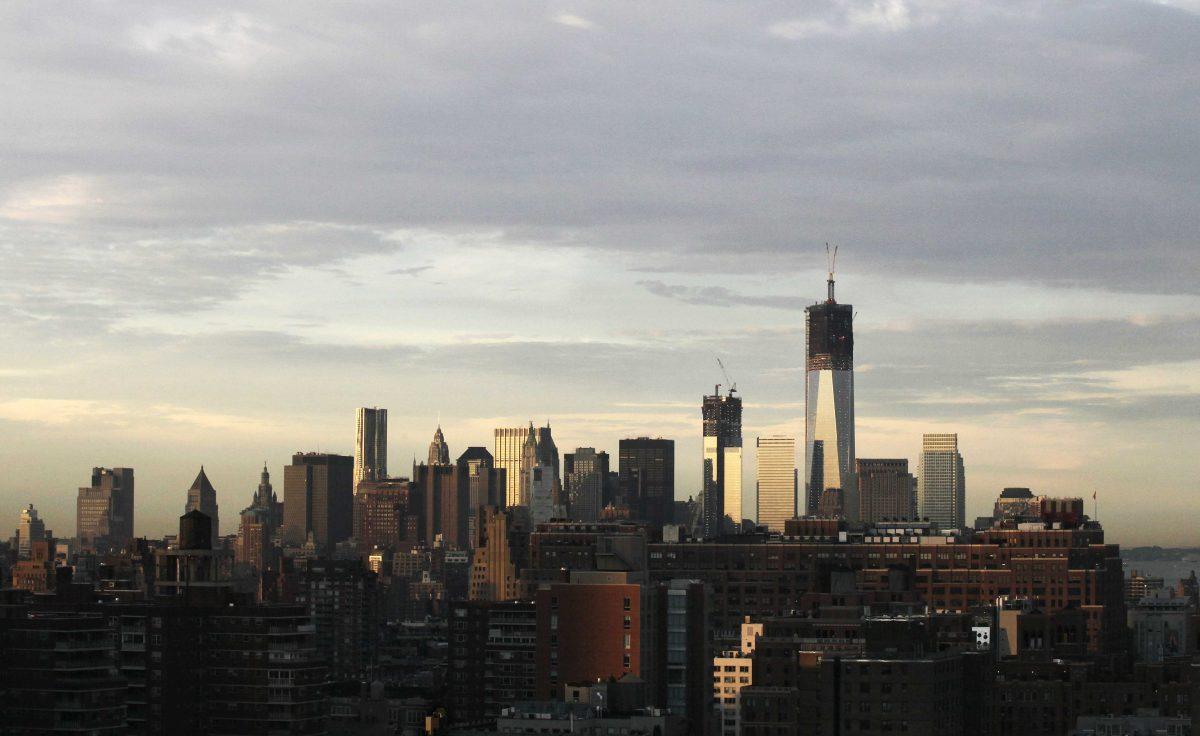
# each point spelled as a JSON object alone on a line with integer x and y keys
{"x": 776, "y": 487}
{"x": 829, "y": 402}
{"x": 722, "y": 495}
{"x": 941, "y": 481}
{"x": 370, "y": 445}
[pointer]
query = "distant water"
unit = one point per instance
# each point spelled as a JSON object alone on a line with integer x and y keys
{"x": 1171, "y": 571}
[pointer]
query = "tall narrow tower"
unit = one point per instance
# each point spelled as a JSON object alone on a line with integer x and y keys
{"x": 829, "y": 402}
{"x": 370, "y": 445}
{"x": 722, "y": 495}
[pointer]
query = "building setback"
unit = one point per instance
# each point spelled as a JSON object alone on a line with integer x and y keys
{"x": 104, "y": 510}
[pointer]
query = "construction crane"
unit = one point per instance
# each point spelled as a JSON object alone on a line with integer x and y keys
{"x": 832, "y": 258}
{"x": 728, "y": 381}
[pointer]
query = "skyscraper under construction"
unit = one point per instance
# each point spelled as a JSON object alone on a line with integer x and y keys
{"x": 829, "y": 403}
{"x": 722, "y": 461}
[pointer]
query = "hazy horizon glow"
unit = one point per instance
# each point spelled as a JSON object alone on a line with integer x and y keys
{"x": 224, "y": 228}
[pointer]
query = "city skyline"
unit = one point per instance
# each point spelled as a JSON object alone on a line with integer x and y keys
{"x": 180, "y": 275}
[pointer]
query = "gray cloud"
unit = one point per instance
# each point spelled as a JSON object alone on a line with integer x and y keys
{"x": 992, "y": 141}
{"x": 719, "y": 296}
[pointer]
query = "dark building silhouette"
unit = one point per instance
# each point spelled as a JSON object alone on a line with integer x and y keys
{"x": 344, "y": 605}
{"x": 318, "y": 493}
{"x": 646, "y": 478}
{"x": 585, "y": 475}
{"x": 483, "y": 484}
{"x": 259, "y": 524}
{"x": 104, "y": 510}
{"x": 202, "y": 497}
{"x": 492, "y": 661}
{"x": 59, "y": 674}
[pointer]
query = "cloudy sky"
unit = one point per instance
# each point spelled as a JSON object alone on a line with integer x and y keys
{"x": 224, "y": 226}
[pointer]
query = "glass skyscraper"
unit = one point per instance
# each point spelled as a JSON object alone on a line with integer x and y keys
{"x": 829, "y": 404}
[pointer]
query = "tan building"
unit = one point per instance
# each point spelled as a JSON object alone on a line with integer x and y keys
{"x": 493, "y": 571}
{"x": 732, "y": 671}
{"x": 776, "y": 487}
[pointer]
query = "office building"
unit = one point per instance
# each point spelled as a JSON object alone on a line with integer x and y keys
{"x": 318, "y": 499}
{"x": 30, "y": 528}
{"x": 36, "y": 573}
{"x": 484, "y": 485}
{"x": 646, "y": 478}
{"x": 202, "y": 497}
{"x": 722, "y": 477}
{"x": 446, "y": 504}
{"x": 343, "y": 603}
{"x": 543, "y": 495}
{"x": 384, "y": 517}
{"x": 439, "y": 451}
{"x": 585, "y": 479}
{"x": 370, "y": 445}
{"x": 104, "y": 511}
{"x": 941, "y": 482}
{"x": 494, "y": 566}
{"x": 776, "y": 486}
{"x": 886, "y": 490}
{"x": 511, "y": 455}
{"x": 829, "y": 402}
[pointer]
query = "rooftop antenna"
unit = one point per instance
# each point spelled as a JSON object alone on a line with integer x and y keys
{"x": 831, "y": 256}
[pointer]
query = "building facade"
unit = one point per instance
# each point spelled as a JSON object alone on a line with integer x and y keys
{"x": 586, "y": 476}
{"x": 776, "y": 486}
{"x": 886, "y": 490}
{"x": 318, "y": 495}
{"x": 104, "y": 510}
{"x": 370, "y": 444}
{"x": 941, "y": 481}
{"x": 829, "y": 402}
{"x": 722, "y": 477}
{"x": 646, "y": 478}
